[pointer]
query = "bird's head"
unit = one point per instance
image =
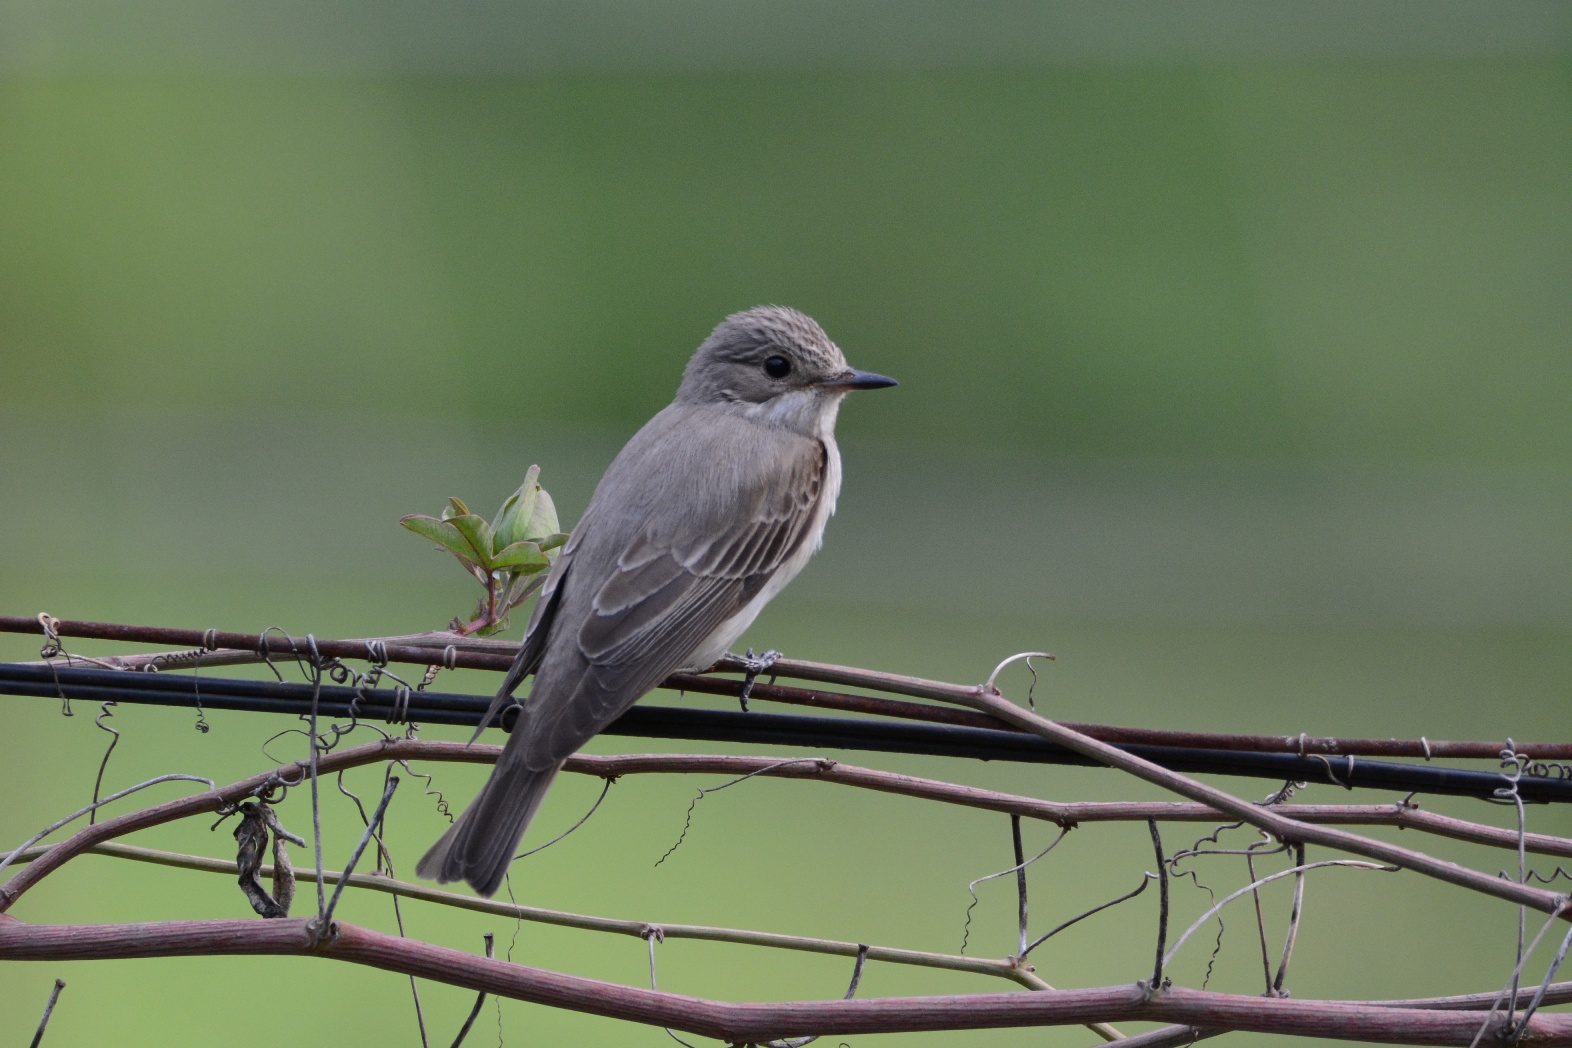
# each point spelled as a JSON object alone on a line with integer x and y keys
{"x": 775, "y": 358}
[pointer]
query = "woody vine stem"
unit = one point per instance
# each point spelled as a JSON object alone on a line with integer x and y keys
{"x": 1513, "y": 1015}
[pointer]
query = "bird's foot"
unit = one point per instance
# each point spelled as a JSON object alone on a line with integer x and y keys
{"x": 753, "y": 667}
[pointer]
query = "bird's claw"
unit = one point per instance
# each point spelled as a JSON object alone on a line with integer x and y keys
{"x": 753, "y": 667}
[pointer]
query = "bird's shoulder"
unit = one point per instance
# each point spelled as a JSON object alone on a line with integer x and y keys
{"x": 694, "y": 473}
{"x": 690, "y": 524}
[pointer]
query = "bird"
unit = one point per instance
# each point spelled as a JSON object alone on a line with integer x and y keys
{"x": 703, "y": 517}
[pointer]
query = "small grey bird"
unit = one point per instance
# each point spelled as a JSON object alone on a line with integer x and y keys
{"x": 706, "y": 514}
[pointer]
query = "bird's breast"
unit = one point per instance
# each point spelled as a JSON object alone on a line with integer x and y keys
{"x": 720, "y": 641}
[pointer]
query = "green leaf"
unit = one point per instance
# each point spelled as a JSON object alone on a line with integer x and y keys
{"x": 442, "y": 532}
{"x": 477, "y": 533}
{"x": 505, "y": 523}
{"x": 543, "y": 522}
{"x": 552, "y": 541}
{"x": 454, "y": 508}
{"x": 511, "y": 519}
{"x": 522, "y": 558}
{"x": 520, "y": 587}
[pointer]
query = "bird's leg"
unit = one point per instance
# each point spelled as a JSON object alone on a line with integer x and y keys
{"x": 753, "y": 666}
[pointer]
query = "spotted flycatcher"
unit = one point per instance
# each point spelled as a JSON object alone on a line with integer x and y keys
{"x": 707, "y": 513}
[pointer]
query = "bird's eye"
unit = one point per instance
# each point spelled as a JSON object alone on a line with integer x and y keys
{"x": 777, "y": 367}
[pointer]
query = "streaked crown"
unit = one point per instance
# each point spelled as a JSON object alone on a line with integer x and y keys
{"x": 759, "y": 354}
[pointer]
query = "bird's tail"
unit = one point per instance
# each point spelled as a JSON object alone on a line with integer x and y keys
{"x": 480, "y": 845}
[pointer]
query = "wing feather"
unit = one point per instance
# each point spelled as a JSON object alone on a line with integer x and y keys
{"x": 673, "y": 585}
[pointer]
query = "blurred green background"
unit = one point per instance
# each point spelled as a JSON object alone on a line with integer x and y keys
{"x": 1232, "y": 342}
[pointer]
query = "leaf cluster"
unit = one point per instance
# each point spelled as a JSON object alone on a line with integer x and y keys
{"x": 508, "y": 555}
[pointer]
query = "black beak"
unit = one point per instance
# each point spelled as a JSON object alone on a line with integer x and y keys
{"x": 851, "y": 378}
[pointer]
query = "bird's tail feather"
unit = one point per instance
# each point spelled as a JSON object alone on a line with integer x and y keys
{"x": 479, "y": 846}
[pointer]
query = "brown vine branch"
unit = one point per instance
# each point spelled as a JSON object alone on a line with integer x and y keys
{"x": 1065, "y": 814}
{"x": 215, "y": 647}
{"x": 1281, "y": 826}
{"x": 1061, "y": 813}
{"x": 1193, "y": 1010}
{"x": 750, "y": 1022}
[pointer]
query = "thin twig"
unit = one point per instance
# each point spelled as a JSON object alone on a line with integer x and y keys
{"x": 325, "y": 921}
{"x": 971, "y": 888}
{"x": 604, "y": 789}
{"x": 385, "y": 861}
{"x": 1004, "y": 968}
{"x": 705, "y": 791}
{"x": 49, "y": 1009}
{"x": 1146, "y": 878}
{"x": 1020, "y": 880}
{"x": 314, "y": 741}
{"x": 1353, "y": 864}
{"x": 1509, "y": 760}
{"x": 480, "y": 998}
{"x": 1294, "y": 916}
{"x": 105, "y": 712}
{"x": 1260, "y": 923}
{"x": 851, "y": 991}
{"x": 1169, "y": 1037}
{"x": 1543, "y": 987}
{"x": 1511, "y": 994}
{"x": 1162, "y": 907}
{"x": 52, "y": 827}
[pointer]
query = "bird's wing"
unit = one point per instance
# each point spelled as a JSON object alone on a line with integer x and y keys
{"x": 674, "y": 583}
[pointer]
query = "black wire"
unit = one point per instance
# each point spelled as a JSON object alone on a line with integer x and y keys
{"x": 820, "y": 733}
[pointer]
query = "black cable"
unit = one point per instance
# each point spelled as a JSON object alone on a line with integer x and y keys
{"x": 818, "y": 733}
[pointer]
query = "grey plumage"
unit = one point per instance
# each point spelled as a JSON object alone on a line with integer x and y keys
{"x": 712, "y": 507}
